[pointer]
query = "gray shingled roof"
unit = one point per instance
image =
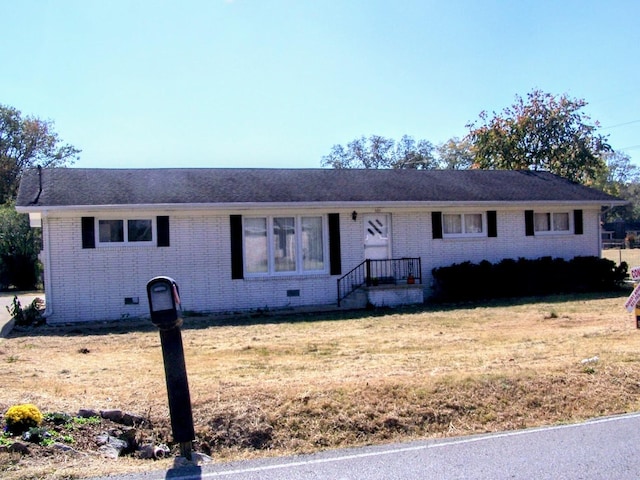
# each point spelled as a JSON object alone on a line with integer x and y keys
{"x": 65, "y": 187}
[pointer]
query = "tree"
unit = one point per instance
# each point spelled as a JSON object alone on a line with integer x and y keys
{"x": 381, "y": 152}
{"x": 622, "y": 179}
{"x": 631, "y": 212}
{"x": 19, "y": 247}
{"x": 618, "y": 172}
{"x": 26, "y": 142}
{"x": 455, "y": 154}
{"x": 412, "y": 154}
{"x": 544, "y": 132}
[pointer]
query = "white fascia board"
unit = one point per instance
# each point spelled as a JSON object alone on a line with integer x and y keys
{"x": 252, "y": 206}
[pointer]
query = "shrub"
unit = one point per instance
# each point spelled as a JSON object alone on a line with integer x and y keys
{"x": 19, "y": 248}
{"x": 524, "y": 277}
{"x": 20, "y": 418}
{"x": 32, "y": 315}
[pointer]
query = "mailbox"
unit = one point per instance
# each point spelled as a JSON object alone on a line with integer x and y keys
{"x": 164, "y": 302}
{"x": 164, "y": 306}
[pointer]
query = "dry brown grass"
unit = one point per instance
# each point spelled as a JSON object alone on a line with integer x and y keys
{"x": 282, "y": 385}
{"x": 629, "y": 255}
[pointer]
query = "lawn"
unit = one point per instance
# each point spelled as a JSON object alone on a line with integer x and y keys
{"x": 276, "y": 385}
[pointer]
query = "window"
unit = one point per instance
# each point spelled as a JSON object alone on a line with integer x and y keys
{"x": 105, "y": 232}
{"x": 463, "y": 224}
{"x": 139, "y": 230}
{"x": 279, "y": 245}
{"x": 119, "y": 231}
{"x": 110, "y": 231}
{"x": 551, "y": 222}
{"x": 256, "y": 245}
{"x": 284, "y": 244}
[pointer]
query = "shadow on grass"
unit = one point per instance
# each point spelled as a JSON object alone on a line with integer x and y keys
{"x": 193, "y": 321}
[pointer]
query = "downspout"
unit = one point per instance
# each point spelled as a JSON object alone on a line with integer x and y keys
{"x": 46, "y": 240}
{"x": 35, "y": 200}
{"x": 46, "y": 247}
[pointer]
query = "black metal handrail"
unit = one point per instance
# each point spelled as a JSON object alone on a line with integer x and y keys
{"x": 380, "y": 272}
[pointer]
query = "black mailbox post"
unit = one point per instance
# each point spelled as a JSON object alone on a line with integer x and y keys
{"x": 164, "y": 305}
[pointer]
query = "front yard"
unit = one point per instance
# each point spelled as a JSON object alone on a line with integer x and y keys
{"x": 284, "y": 385}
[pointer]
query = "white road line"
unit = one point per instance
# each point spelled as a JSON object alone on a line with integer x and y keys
{"x": 381, "y": 453}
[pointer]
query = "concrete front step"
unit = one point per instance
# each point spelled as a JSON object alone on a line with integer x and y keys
{"x": 384, "y": 296}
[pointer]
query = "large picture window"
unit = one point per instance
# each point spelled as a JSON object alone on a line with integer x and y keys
{"x": 284, "y": 244}
{"x": 463, "y": 224}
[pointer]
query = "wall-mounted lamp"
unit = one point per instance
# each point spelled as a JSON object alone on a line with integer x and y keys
{"x": 354, "y": 215}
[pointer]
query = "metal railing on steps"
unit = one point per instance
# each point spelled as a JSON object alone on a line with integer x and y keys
{"x": 369, "y": 273}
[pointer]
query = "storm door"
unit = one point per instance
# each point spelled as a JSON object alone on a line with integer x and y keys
{"x": 377, "y": 236}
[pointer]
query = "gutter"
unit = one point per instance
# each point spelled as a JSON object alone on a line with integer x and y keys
{"x": 243, "y": 206}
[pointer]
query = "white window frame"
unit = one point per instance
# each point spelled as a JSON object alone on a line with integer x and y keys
{"x": 271, "y": 272}
{"x": 126, "y": 242}
{"x": 464, "y": 234}
{"x": 552, "y": 230}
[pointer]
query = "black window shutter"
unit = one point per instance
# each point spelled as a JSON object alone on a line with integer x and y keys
{"x": 237, "y": 267}
{"x": 335, "y": 259}
{"x": 88, "y": 232}
{"x": 492, "y": 223}
{"x": 162, "y": 226}
{"x": 578, "y": 227}
{"x": 528, "y": 223}
{"x": 436, "y": 224}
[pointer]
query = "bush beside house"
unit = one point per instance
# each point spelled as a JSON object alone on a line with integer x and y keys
{"x": 524, "y": 277}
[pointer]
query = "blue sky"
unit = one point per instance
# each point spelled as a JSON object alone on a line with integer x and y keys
{"x": 261, "y": 83}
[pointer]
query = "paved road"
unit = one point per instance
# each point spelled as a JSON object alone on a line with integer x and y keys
{"x": 607, "y": 448}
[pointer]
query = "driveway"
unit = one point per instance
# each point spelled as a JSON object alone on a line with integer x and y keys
{"x": 6, "y": 300}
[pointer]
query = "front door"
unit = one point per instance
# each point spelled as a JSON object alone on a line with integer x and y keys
{"x": 377, "y": 236}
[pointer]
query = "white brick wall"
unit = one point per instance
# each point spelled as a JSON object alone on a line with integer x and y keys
{"x": 91, "y": 284}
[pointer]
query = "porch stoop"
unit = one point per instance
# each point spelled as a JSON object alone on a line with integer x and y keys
{"x": 395, "y": 295}
{"x": 355, "y": 300}
{"x": 384, "y": 296}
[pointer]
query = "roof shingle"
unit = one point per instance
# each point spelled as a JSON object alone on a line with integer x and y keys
{"x": 64, "y": 187}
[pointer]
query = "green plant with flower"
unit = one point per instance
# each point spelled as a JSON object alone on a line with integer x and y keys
{"x": 20, "y": 418}
{"x": 5, "y": 439}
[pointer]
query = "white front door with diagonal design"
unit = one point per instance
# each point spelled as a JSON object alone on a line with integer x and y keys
{"x": 377, "y": 236}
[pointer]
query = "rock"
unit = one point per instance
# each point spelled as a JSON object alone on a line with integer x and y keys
{"x": 123, "y": 418}
{"x": 88, "y": 413}
{"x": 590, "y": 360}
{"x": 196, "y": 459}
{"x": 67, "y": 449}
{"x": 111, "y": 446}
{"x": 133, "y": 420}
{"x": 18, "y": 447}
{"x": 113, "y": 415}
{"x": 109, "y": 451}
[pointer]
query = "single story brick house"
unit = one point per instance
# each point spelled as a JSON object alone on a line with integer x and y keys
{"x": 242, "y": 239}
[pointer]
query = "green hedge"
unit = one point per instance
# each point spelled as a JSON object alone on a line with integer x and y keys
{"x": 523, "y": 277}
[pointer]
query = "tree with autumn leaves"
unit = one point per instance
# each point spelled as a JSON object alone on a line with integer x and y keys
{"x": 538, "y": 132}
{"x": 543, "y": 132}
{"x": 25, "y": 141}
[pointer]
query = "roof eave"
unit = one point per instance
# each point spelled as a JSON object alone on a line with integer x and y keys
{"x": 313, "y": 205}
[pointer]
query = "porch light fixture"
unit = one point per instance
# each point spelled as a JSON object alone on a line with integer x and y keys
{"x": 354, "y": 215}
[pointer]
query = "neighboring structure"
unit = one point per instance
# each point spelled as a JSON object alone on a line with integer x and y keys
{"x": 621, "y": 234}
{"x": 239, "y": 239}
